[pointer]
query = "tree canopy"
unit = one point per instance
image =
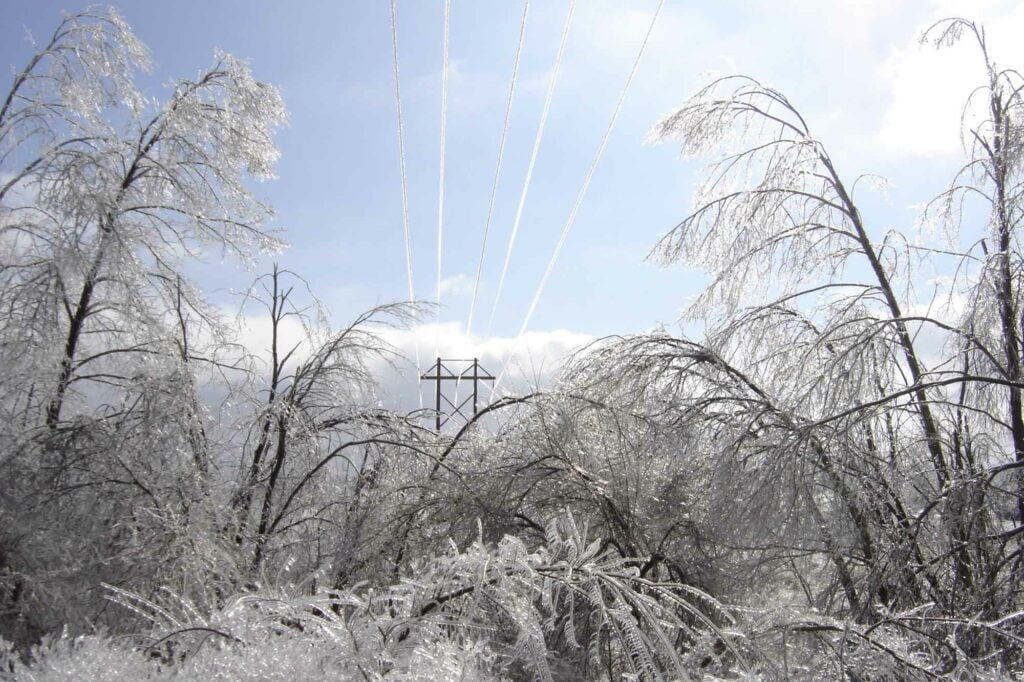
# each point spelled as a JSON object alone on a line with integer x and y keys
{"x": 828, "y": 483}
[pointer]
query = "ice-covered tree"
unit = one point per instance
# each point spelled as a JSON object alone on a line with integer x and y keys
{"x": 873, "y": 478}
{"x": 104, "y": 192}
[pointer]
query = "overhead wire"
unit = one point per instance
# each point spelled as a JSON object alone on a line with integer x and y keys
{"x": 533, "y": 161}
{"x": 497, "y": 177}
{"x": 579, "y": 198}
{"x": 405, "y": 184}
{"x": 440, "y": 198}
{"x": 497, "y": 169}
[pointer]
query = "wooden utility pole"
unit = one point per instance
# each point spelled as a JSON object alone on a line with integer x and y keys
{"x": 443, "y": 372}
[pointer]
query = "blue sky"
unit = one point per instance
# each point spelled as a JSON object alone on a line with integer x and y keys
{"x": 881, "y": 103}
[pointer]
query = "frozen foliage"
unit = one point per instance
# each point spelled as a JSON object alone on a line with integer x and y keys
{"x": 568, "y": 608}
{"x": 101, "y": 339}
{"x": 810, "y": 491}
{"x": 108, "y": 192}
{"x": 876, "y": 483}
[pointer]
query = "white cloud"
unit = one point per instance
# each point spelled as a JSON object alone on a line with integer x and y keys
{"x": 930, "y": 87}
{"x": 532, "y": 362}
{"x": 456, "y": 285}
{"x": 255, "y": 333}
{"x": 848, "y": 22}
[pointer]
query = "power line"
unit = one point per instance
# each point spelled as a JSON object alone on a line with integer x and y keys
{"x": 497, "y": 170}
{"x": 533, "y": 160}
{"x": 440, "y": 198}
{"x": 497, "y": 176}
{"x": 580, "y": 196}
{"x": 401, "y": 154}
{"x": 405, "y": 184}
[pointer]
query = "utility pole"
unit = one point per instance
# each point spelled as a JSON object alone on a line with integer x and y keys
{"x": 444, "y": 372}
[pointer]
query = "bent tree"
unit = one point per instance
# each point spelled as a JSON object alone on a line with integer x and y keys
{"x": 104, "y": 194}
{"x": 315, "y": 452}
{"x": 105, "y": 190}
{"x": 889, "y": 470}
{"x": 848, "y": 487}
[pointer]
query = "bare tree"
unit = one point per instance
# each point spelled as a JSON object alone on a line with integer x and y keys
{"x": 314, "y": 447}
{"x": 829, "y": 433}
{"x": 992, "y": 180}
{"x": 103, "y": 194}
{"x": 97, "y": 211}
